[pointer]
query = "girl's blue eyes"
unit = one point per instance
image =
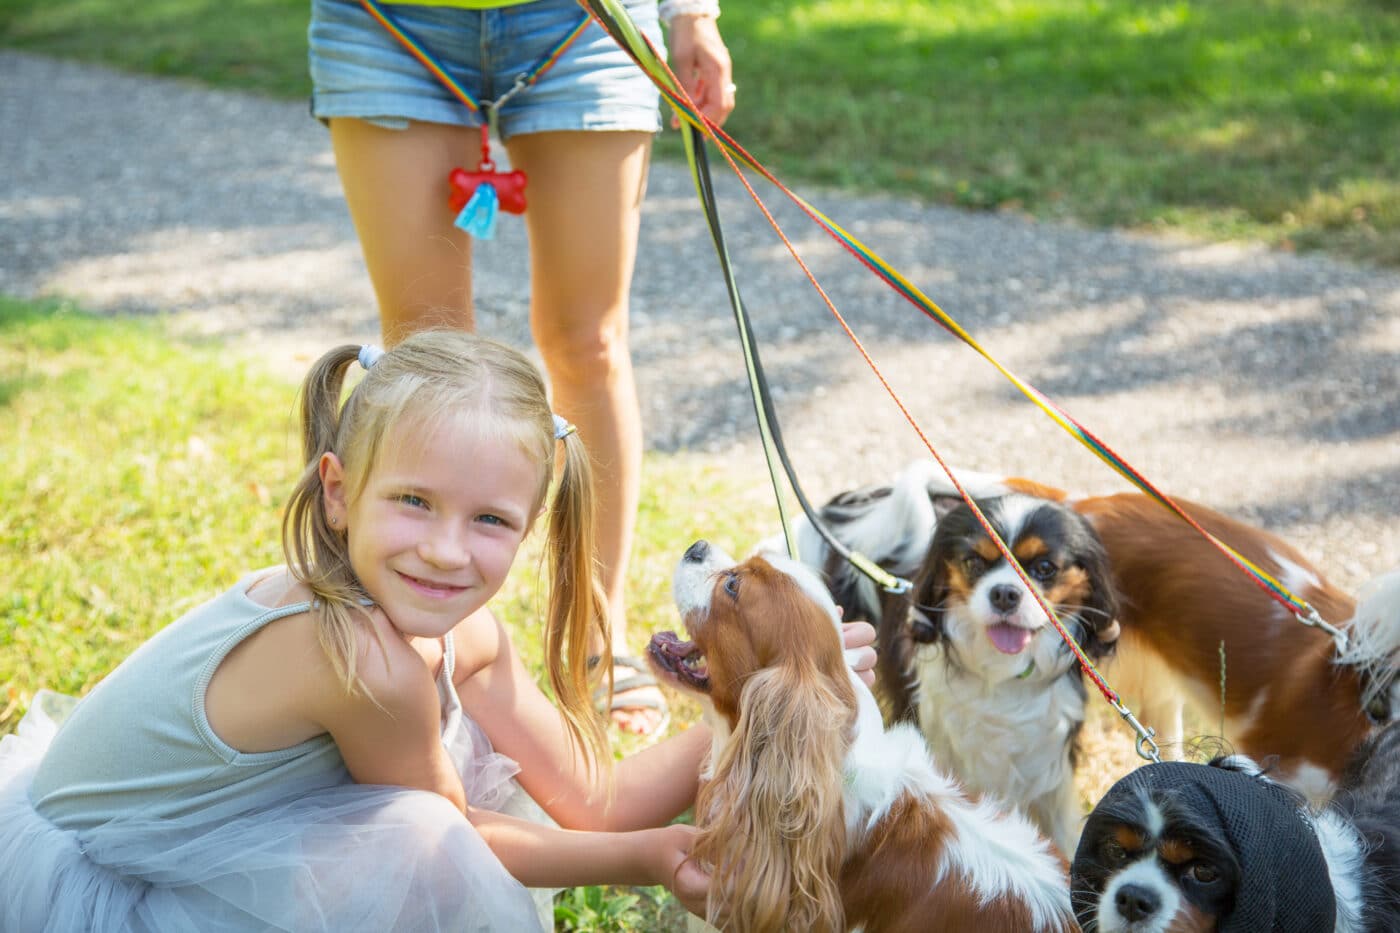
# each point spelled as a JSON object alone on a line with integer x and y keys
{"x": 418, "y": 502}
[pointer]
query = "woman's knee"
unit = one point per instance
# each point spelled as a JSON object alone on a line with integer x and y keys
{"x": 583, "y": 353}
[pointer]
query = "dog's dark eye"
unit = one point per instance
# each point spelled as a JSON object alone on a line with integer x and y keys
{"x": 1043, "y": 569}
{"x": 1112, "y": 852}
{"x": 731, "y": 585}
{"x": 973, "y": 564}
{"x": 1203, "y": 873}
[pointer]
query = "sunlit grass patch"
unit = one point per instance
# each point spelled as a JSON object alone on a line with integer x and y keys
{"x": 137, "y": 477}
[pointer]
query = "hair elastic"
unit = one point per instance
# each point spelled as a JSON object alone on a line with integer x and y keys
{"x": 369, "y": 355}
{"x": 562, "y": 428}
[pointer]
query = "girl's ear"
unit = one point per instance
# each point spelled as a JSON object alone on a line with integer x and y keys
{"x": 332, "y": 473}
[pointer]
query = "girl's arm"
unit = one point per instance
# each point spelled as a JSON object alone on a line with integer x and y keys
{"x": 650, "y": 788}
{"x": 647, "y": 789}
{"x": 543, "y": 856}
{"x": 395, "y": 740}
{"x": 391, "y": 734}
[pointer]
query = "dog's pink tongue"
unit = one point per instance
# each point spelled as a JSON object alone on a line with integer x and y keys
{"x": 1009, "y": 639}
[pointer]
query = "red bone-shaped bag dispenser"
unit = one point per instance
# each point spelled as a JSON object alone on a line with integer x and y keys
{"x": 510, "y": 187}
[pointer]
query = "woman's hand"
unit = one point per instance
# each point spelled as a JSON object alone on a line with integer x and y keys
{"x": 858, "y": 638}
{"x": 675, "y": 869}
{"x": 701, "y": 63}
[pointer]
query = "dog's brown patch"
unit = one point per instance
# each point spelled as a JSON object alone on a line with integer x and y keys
{"x": 1072, "y": 587}
{"x": 1029, "y": 548}
{"x": 958, "y": 583}
{"x": 986, "y": 549}
{"x": 1175, "y": 851}
{"x": 1129, "y": 838}
{"x": 1191, "y": 919}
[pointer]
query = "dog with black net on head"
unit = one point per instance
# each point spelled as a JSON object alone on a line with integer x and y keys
{"x": 1179, "y": 847}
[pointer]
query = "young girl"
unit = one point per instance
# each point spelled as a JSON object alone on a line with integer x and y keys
{"x": 299, "y": 753}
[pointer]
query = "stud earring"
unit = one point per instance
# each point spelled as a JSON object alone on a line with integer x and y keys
{"x": 334, "y": 520}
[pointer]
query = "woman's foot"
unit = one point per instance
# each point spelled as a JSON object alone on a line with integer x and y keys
{"x": 637, "y": 705}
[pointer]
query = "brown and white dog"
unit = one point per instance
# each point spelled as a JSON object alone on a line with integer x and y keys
{"x": 1290, "y": 697}
{"x": 812, "y": 816}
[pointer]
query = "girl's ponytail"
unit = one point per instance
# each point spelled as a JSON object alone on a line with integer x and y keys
{"x": 318, "y": 554}
{"x": 577, "y": 615}
{"x": 320, "y": 401}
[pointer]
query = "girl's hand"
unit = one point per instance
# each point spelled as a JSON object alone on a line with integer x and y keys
{"x": 701, "y": 63}
{"x": 858, "y": 638}
{"x": 675, "y": 869}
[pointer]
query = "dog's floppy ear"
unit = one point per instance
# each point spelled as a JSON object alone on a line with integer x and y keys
{"x": 943, "y": 503}
{"x": 1102, "y": 608}
{"x": 773, "y": 826}
{"x": 928, "y": 602}
{"x": 896, "y": 675}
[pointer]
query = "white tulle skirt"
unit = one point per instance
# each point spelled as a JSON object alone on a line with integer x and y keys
{"x": 347, "y": 857}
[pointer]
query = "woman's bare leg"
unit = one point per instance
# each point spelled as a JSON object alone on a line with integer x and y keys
{"x": 585, "y": 196}
{"x": 395, "y": 183}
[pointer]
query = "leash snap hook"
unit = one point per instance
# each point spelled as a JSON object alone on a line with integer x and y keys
{"x": 1146, "y": 745}
{"x": 1312, "y": 619}
{"x": 899, "y": 586}
{"x": 492, "y": 108}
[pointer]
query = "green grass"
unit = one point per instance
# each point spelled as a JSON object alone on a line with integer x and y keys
{"x": 136, "y": 478}
{"x": 1277, "y": 120}
{"x": 255, "y": 45}
{"x": 141, "y": 475}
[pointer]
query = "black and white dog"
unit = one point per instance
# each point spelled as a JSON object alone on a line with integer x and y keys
{"x": 1369, "y": 800}
{"x": 1183, "y": 847}
{"x": 969, "y": 654}
{"x": 972, "y": 657}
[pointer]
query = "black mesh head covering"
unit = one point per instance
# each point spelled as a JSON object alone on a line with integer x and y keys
{"x": 1284, "y": 884}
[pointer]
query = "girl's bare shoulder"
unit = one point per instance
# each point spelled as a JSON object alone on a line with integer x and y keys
{"x": 256, "y": 699}
{"x": 278, "y": 588}
{"x": 280, "y": 686}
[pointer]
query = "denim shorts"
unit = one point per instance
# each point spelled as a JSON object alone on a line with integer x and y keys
{"x": 359, "y": 70}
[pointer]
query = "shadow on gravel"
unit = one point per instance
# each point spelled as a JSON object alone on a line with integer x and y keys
{"x": 1372, "y": 495}
{"x": 1328, "y": 386}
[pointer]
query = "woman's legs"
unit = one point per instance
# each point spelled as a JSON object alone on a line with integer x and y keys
{"x": 585, "y": 192}
{"x": 395, "y": 183}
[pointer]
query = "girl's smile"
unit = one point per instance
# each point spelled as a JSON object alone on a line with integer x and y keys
{"x": 432, "y": 590}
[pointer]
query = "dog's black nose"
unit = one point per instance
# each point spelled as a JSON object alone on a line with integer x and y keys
{"x": 1005, "y": 597}
{"x": 697, "y": 552}
{"x": 1136, "y": 902}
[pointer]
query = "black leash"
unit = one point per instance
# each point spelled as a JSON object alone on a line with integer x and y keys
{"x": 764, "y": 411}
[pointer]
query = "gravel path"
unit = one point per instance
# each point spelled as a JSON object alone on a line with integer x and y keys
{"x": 1262, "y": 383}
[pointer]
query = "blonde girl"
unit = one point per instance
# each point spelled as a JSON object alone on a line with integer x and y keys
{"x": 300, "y": 752}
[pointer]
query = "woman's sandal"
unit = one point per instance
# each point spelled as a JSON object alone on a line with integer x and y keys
{"x": 640, "y": 679}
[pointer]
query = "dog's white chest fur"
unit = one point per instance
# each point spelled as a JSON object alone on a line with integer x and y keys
{"x": 1009, "y": 739}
